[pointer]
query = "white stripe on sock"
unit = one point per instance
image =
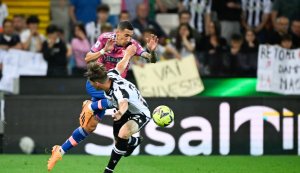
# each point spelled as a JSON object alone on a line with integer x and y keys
{"x": 109, "y": 169}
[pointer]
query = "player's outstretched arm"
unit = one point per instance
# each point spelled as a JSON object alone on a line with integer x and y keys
{"x": 152, "y": 43}
{"x": 123, "y": 107}
{"x": 129, "y": 52}
{"x": 91, "y": 56}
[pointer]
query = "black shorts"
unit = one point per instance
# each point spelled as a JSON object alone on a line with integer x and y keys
{"x": 141, "y": 119}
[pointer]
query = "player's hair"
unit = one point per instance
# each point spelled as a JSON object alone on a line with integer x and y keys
{"x": 125, "y": 25}
{"x": 96, "y": 72}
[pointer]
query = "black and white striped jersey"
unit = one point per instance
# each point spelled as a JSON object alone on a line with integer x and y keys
{"x": 198, "y": 9}
{"x": 254, "y": 10}
{"x": 123, "y": 89}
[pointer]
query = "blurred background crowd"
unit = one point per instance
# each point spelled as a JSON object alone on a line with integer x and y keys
{"x": 223, "y": 35}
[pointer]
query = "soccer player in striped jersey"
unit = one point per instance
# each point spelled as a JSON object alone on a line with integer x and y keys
{"x": 132, "y": 110}
{"x": 109, "y": 49}
{"x": 255, "y": 14}
{"x": 200, "y": 14}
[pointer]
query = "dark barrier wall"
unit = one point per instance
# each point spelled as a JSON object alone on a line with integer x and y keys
{"x": 203, "y": 126}
{"x": 51, "y": 85}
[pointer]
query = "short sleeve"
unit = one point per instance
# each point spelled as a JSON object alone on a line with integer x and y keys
{"x": 98, "y": 45}
{"x": 139, "y": 49}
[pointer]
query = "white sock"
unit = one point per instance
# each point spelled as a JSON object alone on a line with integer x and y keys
{"x": 90, "y": 107}
{"x": 110, "y": 111}
{"x": 62, "y": 152}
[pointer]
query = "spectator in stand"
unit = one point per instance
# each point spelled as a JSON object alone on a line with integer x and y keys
{"x": 106, "y": 28}
{"x": 8, "y": 39}
{"x": 83, "y": 11}
{"x": 281, "y": 28}
{"x": 130, "y": 6}
{"x": 212, "y": 48}
{"x": 289, "y": 8}
{"x": 3, "y": 13}
{"x": 93, "y": 29}
{"x": 250, "y": 45}
{"x": 250, "y": 52}
{"x": 229, "y": 14}
{"x": 185, "y": 42}
{"x": 142, "y": 22}
{"x": 31, "y": 38}
{"x": 19, "y": 23}
{"x": 184, "y": 18}
{"x": 80, "y": 46}
{"x": 295, "y": 31}
{"x": 69, "y": 54}
{"x": 287, "y": 42}
{"x": 234, "y": 55}
{"x": 164, "y": 52}
{"x": 168, "y": 6}
{"x": 60, "y": 17}
{"x": 201, "y": 14}
{"x": 243, "y": 63}
{"x": 61, "y": 35}
{"x": 54, "y": 51}
{"x": 125, "y": 16}
{"x": 255, "y": 16}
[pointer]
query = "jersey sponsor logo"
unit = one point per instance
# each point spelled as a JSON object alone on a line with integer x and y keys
{"x": 112, "y": 59}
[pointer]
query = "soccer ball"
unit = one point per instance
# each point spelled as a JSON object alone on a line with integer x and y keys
{"x": 163, "y": 116}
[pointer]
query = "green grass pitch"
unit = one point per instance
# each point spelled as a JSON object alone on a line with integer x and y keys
{"x": 153, "y": 164}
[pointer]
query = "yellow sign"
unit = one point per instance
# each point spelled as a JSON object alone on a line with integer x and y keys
{"x": 172, "y": 78}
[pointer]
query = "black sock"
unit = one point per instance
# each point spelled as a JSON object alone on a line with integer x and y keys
{"x": 118, "y": 151}
{"x": 132, "y": 141}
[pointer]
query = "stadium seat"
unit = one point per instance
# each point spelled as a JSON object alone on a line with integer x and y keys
{"x": 167, "y": 21}
{"x": 41, "y": 8}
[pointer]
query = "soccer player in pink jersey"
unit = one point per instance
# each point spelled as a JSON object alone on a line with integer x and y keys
{"x": 109, "y": 49}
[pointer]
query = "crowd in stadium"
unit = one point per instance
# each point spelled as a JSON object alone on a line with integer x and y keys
{"x": 224, "y": 35}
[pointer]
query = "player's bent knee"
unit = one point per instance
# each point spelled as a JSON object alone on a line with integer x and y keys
{"x": 128, "y": 129}
{"x": 91, "y": 125}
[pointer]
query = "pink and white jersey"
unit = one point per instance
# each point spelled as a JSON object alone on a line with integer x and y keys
{"x": 110, "y": 59}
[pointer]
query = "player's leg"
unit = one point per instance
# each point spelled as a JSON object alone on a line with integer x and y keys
{"x": 88, "y": 123}
{"x": 99, "y": 103}
{"x": 133, "y": 142}
{"x": 121, "y": 146}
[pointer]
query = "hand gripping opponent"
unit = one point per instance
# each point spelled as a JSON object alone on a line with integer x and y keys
{"x": 87, "y": 119}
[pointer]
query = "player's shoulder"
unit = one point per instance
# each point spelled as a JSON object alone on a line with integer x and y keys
{"x": 136, "y": 43}
{"x": 133, "y": 41}
{"x": 113, "y": 72}
{"x": 107, "y": 35}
